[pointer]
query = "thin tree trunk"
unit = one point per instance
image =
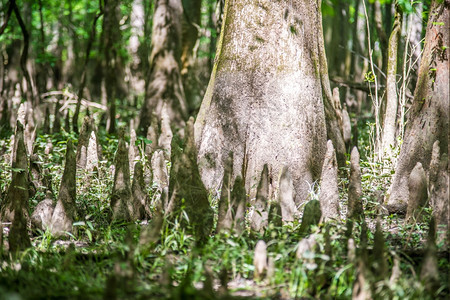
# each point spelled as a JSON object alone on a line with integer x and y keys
{"x": 390, "y": 117}
{"x": 24, "y": 57}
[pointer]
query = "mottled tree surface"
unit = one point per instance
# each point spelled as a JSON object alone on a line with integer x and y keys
{"x": 355, "y": 207}
{"x": 121, "y": 198}
{"x": 428, "y": 119}
{"x": 264, "y": 99}
{"x": 15, "y": 206}
{"x": 329, "y": 193}
{"x": 186, "y": 184}
{"x": 83, "y": 142}
{"x": 440, "y": 199}
{"x": 259, "y": 220}
{"x": 225, "y": 218}
{"x": 239, "y": 205}
{"x": 165, "y": 85}
{"x": 140, "y": 197}
{"x": 286, "y": 195}
{"x": 17, "y": 194}
{"x": 65, "y": 211}
{"x": 418, "y": 193}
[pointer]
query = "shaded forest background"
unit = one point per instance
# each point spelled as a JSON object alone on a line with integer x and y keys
{"x": 88, "y": 74}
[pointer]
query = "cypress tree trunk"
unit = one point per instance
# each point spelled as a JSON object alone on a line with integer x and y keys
{"x": 164, "y": 84}
{"x": 428, "y": 120}
{"x": 264, "y": 100}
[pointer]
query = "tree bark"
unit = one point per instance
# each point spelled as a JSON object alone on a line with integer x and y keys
{"x": 428, "y": 120}
{"x": 264, "y": 100}
{"x": 190, "y": 24}
{"x": 30, "y": 95}
{"x": 164, "y": 84}
{"x": 390, "y": 117}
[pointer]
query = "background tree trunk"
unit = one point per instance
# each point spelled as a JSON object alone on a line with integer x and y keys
{"x": 390, "y": 117}
{"x": 428, "y": 120}
{"x": 264, "y": 99}
{"x": 164, "y": 84}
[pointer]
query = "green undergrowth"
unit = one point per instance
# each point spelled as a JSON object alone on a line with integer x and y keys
{"x": 176, "y": 266}
{"x": 104, "y": 260}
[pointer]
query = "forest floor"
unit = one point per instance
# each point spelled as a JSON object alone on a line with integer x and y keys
{"x": 105, "y": 260}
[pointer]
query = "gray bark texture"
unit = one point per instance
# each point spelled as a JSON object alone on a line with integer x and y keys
{"x": 121, "y": 198}
{"x": 140, "y": 197}
{"x": 259, "y": 220}
{"x": 164, "y": 83}
{"x": 15, "y": 207}
{"x": 65, "y": 211}
{"x": 428, "y": 119}
{"x": 418, "y": 195}
{"x": 355, "y": 207}
{"x": 17, "y": 194}
{"x": 390, "y": 117}
{"x": 440, "y": 199}
{"x": 225, "y": 218}
{"x": 42, "y": 214}
{"x": 239, "y": 205}
{"x": 329, "y": 193}
{"x": 286, "y": 196}
{"x": 264, "y": 98}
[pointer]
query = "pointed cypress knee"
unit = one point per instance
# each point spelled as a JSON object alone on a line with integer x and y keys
{"x": 133, "y": 151}
{"x": 160, "y": 176}
{"x": 225, "y": 219}
{"x": 140, "y": 197}
{"x": 275, "y": 214}
{"x": 185, "y": 183}
{"x": 440, "y": 200}
{"x": 18, "y": 189}
{"x": 41, "y": 217}
{"x": 260, "y": 260}
{"x": 15, "y": 206}
{"x": 355, "y": 207}
{"x": 92, "y": 156}
{"x": 121, "y": 198}
{"x": 46, "y": 126}
{"x": 329, "y": 193}
{"x": 311, "y": 216}
{"x": 239, "y": 204}
{"x": 379, "y": 257}
{"x": 165, "y": 139}
{"x": 260, "y": 217}
{"x": 418, "y": 194}
{"x": 152, "y": 143}
{"x": 83, "y": 142}
{"x": 286, "y": 196}
{"x": 65, "y": 212}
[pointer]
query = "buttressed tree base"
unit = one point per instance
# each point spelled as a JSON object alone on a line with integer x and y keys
{"x": 264, "y": 100}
